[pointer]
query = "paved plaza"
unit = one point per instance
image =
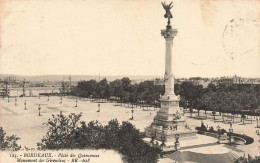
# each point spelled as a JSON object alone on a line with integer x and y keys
{"x": 27, "y": 125}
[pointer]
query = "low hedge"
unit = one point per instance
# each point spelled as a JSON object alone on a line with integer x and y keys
{"x": 248, "y": 139}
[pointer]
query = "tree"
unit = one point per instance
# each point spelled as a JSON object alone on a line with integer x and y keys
{"x": 112, "y": 134}
{"x": 192, "y": 94}
{"x": 8, "y": 142}
{"x": 102, "y": 90}
{"x": 212, "y": 87}
{"x": 65, "y": 133}
{"x": 85, "y": 88}
{"x": 93, "y": 134}
{"x": 65, "y": 88}
{"x": 116, "y": 89}
{"x": 126, "y": 83}
{"x": 133, "y": 146}
{"x": 61, "y": 133}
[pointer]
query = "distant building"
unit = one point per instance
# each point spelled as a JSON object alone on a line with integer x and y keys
{"x": 225, "y": 81}
{"x": 239, "y": 80}
{"x": 236, "y": 79}
{"x": 3, "y": 92}
{"x": 201, "y": 81}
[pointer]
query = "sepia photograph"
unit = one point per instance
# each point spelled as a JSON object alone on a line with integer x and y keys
{"x": 130, "y": 81}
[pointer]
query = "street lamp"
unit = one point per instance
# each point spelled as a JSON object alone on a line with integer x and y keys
{"x": 177, "y": 143}
{"x": 132, "y": 113}
{"x": 15, "y": 101}
{"x": 163, "y": 137}
{"x": 8, "y": 98}
{"x": 76, "y": 103}
{"x": 60, "y": 100}
{"x": 98, "y": 107}
{"x": 218, "y": 128}
{"x": 39, "y": 108}
{"x": 25, "y": 105}
{"x": 214, "y": 114}
{"x": 153, "y": 135}
{"x": 230, "y": 132}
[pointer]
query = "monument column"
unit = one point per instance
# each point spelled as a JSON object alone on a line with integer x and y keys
{"x": 169, "y": 35}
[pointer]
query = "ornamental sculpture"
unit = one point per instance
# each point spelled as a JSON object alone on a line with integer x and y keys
{"x": 168, "y": 13}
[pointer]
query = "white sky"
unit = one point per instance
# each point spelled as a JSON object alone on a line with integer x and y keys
{"x": 84, "y": 37}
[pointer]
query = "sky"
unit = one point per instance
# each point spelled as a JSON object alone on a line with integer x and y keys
{"x": 123, "y": 37}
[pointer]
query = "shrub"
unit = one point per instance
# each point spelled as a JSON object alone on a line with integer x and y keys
{"x": 248, "y": 159}
{"x": 222, "y": 131}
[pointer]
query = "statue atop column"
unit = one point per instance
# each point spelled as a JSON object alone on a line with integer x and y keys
{"x": 168, "y": 122}
{"x": 168, "y": 13}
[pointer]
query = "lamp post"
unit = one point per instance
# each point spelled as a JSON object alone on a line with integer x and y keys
{"x": 15, "y": 101}
{"x": 153, "y": 135}
{"x": 8, "y": 98}
{"x": 177, "y": 143}
{"x": 132, "y": 113}
{"x": 23, "y": 87}
{"x": 163, "y": 137}
{"x": 39, "y": 108}
{"x": 60, "y": 100}
{"x": 76, "y": 103}
{"x": 218, "y": 128}
{"x": 98, "y": 107}
{"x": 25, "y": 105}
{"x": 230, "y": 132}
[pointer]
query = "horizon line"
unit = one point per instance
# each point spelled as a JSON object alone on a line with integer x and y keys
{"x": 125, "y": 75}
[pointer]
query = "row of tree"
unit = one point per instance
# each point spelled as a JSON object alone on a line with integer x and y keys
{"x": 235, "y": 99}
{"x": 146, "y": 93}
{"x": 222, "y": 98}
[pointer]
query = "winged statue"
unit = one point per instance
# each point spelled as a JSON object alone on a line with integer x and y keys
{"x": 168, "y": 13}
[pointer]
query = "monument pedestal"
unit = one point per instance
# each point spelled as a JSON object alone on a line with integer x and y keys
{"x": 168, "y": 123}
